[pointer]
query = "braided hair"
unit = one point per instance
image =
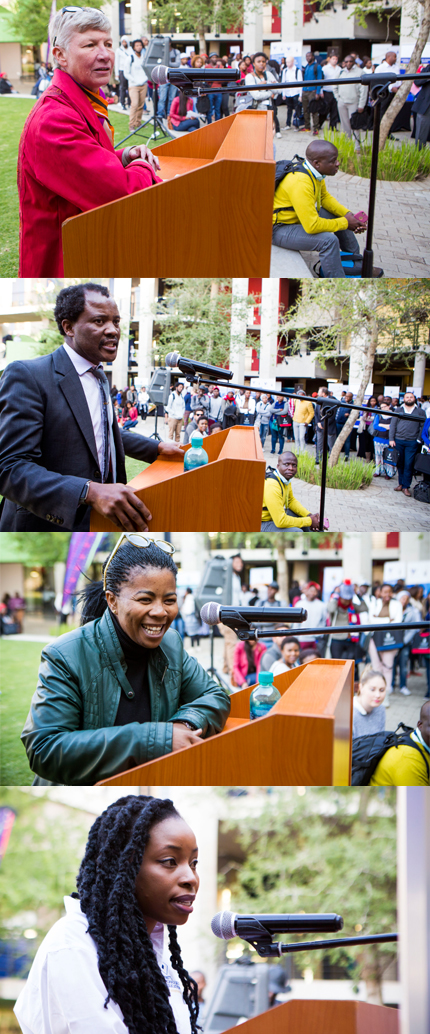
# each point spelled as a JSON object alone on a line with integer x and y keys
{"x": 106, "y": 883}
{"x": 126, "y": 559}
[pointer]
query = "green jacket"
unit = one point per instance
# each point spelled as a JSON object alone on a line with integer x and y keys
{"x": 69, "y": 735}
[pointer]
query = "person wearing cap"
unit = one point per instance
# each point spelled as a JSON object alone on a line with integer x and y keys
{"x": 122, "y": 60}
{"x": 229, "y": 411}
{"x": 281, "y": 511}
{"x": 67, "y": 163}
{"x": 345, "y": 608}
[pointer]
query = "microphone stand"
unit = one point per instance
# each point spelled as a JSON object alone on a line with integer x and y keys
{"x": 157, "y": 124}
{"x": 275, "y": 950}
{"x": 331, "y": 404}
{"x": 212, "y": 670}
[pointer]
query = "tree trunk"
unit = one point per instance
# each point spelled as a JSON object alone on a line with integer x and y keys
{"x": 403, "y": 91}
{"x": 370, "y": 351}
{"x": 202, "y": 41}
{"x": 282, "y": 567}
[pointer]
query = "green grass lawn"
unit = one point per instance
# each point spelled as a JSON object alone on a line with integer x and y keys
{"x": 134, "y": 467}
{"x": 13, "y": 113}
{"x": 19, "y": 663}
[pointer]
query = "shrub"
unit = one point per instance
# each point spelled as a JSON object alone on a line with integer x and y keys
{"x": 404, "y": 162}
{"x": 354, "y": 474}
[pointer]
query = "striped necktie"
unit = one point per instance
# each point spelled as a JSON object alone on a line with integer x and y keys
{"x": 103, "y": 383}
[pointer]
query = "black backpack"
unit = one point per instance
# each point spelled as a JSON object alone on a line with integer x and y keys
{"x": 282, "y": 169}
{"x": 422, "y": 492}
{"x": 367, "y": 752}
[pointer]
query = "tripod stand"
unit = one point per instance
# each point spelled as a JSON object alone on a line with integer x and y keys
{"x": 212, "y": 670}
{"x": 158, "y": 128}
{"x": 155, "y": 434}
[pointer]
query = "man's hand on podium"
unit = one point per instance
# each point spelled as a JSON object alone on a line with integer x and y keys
{"x": 184, "y": 737}
{"x": 120, "y": 504}
{"x": 170, "y": 450}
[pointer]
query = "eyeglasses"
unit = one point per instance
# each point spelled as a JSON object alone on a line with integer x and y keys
{"x": 66, "y": 10}
{"x": 141, "y": 541}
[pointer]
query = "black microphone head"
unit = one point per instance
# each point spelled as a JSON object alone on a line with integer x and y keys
{"x": 159, "y": 75}
{"x": 222, "y": 924}
{"x": 172, "y": 358}
{"x": 210, "y": 615}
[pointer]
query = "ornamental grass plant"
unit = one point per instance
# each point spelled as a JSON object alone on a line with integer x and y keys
{"x": 354, "y": 474}
{"x": 396, "y": 162}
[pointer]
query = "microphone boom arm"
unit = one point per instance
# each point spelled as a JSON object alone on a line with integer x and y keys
{"x": 275, "y": 950}
{"x": 257, "y": 633}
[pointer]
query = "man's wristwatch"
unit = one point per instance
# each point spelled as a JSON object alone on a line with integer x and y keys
{"x": 84, "y": 494}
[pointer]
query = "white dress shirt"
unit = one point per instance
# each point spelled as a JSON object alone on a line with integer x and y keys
{"x": 65, "y": 993}
{"x": 330, "y": 72}
{"x": 292, "y": 75}
{"x": 385, "y": 67}
{"x": 91, "y": 391}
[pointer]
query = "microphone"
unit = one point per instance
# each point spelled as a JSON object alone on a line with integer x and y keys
{"x": 191, "y": 77}
{"x": 240, "y": 617}
{"x": 191, "y": 368}
{"x": 228, "y": 924}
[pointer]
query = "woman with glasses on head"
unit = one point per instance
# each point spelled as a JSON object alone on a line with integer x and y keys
{"x": 103, "y": 967}
{"x": 67, "y": 163}
{"x": 120, "y": 690}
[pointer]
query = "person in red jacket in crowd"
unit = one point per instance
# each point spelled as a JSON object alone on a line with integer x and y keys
{"x": 67, "y": 163}
{"x": 246, "y": 662}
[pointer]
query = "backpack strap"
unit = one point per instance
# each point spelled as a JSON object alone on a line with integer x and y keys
{"x": 290, "y": 208}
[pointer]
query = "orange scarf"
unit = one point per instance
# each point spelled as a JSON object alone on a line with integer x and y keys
{"x": 100, "y": 106}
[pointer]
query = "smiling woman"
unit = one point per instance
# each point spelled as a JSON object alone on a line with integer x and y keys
{"x": 67, "y": 163}
{"x": 121, "y": 690}
{"x": 103, "y": 967}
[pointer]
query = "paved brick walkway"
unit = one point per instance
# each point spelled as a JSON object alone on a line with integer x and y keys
{"x": 401, "y": 239}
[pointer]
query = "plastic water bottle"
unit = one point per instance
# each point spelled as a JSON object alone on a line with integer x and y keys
{"x": 196, "y": 456}
{"x": 264, "y": 696}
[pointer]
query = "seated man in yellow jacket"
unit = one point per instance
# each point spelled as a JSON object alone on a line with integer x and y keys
{"x": 407, "y": 766}
{"x": 281, "y": 511}
{"x": 310, "y": 219}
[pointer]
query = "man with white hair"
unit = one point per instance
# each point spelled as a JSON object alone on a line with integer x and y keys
{"x": 67, "y": 163}
{"x": 292, "y": 74}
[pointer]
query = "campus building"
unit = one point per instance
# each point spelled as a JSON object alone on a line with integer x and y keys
{"x": 271, "y": 358}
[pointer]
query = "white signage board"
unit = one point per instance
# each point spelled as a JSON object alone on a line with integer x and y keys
{"x": 392, "y": 391}
{"x": 332, "y": 576}
{"x": 393, "y": 570}
{"x": 282, "y": 48}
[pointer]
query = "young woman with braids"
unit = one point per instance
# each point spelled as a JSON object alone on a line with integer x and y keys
{"x": 102, "y": 968}
{"x": 120, "y": 690}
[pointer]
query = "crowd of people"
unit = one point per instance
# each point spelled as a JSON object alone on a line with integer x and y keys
{"x": 391, "y": 443}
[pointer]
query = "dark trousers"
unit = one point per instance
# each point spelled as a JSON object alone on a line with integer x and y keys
{"x": 405, "y": 461}
{"x": 307, "y": 97}
{"x": 345, "y": 650}
{"x": 332, "y": 113}
{"x": 277, "y": 436}
{"x": 275, "y": 114}
{"x": 347, "y": 445}
{"x": 123, "y": 89}
{"x": 293, "y": 111}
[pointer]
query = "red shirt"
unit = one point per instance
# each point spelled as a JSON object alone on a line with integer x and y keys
{"x": 174, "y": 111}
{"x": 66, "y": 165}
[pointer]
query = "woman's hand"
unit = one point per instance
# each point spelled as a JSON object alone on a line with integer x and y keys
{"x": 183, "y": 737}
{"x": 140, "y": 151}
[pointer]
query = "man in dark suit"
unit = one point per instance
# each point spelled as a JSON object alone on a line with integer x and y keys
{"x": 61, "y": 449}
{"x": 421, "y": 109}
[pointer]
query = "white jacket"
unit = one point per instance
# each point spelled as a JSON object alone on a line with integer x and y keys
{"x": 292, "y": 75}
{"x": 395, "y": 611}
{"x": 122, "y": 59}
{"x": 134, "y": 71}
{"x": 176, "y": 406}
{"x": 65, "y": 992}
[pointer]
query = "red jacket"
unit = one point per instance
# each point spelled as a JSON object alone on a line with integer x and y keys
{"x": 240, "y": 663}
{"x": 66, "y": 165}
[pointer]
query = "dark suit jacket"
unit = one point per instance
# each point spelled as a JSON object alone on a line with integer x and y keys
{"x": 421, "y": 103}
{"x": 47, "y": 446}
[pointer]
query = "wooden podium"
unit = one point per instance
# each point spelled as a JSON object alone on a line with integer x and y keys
{"x": 323, "y": 1017}
{"x": 221, "y": 177}
{"x": 305, "y": 739}
{"x": 225, "y": 494}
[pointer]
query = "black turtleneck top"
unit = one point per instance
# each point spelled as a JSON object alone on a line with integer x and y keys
{"x": 136, "y": 708}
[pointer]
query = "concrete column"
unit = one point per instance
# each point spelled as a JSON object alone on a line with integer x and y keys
{"x": 192, "y": 551}
{"x": 147, "y": 294}
{"x": 357, "y": 556}
{"x": 413, "y": 883}
{"x": 414, "y": 546}
{"x": 292, "y": 21}
{"x": 419, "y": 373}
{"x": 239, "y": 322}
{"x": 120, "y": 287}
{"x": 252, "y": 27}
{"x": 410, "y": 21}
{"x": 138, "y": 10}
{"x": 269, "y": 329}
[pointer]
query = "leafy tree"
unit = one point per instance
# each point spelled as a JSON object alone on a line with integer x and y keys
{"x": 35, "y": 16}
{"x": 199, "y": 16}
{"x": 330, "y": 850}
{"x": 41, "y": 861}
{"x": 198, "y": 322}
{"x": 44, "y": 548}
{"x": 387, "y": 319}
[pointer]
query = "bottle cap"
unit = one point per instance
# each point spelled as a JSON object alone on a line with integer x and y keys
{"x": 196, "y": 441}
{"x": 265, "y": 678}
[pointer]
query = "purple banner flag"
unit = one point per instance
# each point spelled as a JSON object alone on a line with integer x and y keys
{"x": 7, "y": 819}
{"x": 83, "y": 545}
